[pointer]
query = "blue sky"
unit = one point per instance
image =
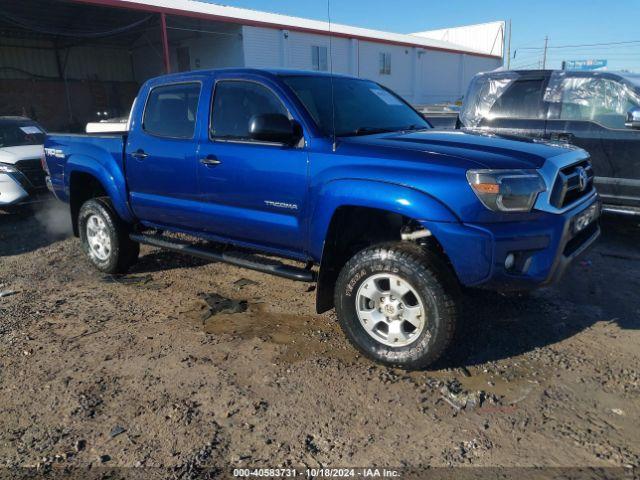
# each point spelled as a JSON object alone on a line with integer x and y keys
{"x": 566, "y": 22}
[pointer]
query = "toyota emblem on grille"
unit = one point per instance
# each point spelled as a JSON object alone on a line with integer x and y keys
{"x": 583, "y": 178}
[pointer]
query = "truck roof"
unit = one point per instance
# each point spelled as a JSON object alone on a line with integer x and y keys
{"x": 257, "y": 71}
{"x": 632, "y": 79}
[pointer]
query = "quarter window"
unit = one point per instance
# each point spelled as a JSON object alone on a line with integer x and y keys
{"x": 319, "y": 59}
{"x": 171, "y": 110}
{"x": 235, "y": 102}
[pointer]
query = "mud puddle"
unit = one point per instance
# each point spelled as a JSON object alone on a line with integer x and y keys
{"x": 302, "y": 336}
{"x": 510, "y": 389}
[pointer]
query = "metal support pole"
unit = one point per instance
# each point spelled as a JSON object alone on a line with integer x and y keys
{"x": 165, "y": 43}
{"x": 544, "y": 57}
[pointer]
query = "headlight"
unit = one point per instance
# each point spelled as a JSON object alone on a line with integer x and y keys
{"x": 507, "y": 190}
{"x": 6, "y": 168}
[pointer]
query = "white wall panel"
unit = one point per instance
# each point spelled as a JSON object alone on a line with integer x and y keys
{"x": 439, "y": 77}
{"x": 262, "y": 47}
{"x": 300, "y": 51}
{"x": 401, "y": 78}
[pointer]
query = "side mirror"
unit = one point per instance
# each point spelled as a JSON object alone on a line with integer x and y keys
{"x": 275, "y": 128}
{"x": 633, "y": 119}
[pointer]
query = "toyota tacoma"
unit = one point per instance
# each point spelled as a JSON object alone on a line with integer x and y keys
{"x": 333, "y": 180}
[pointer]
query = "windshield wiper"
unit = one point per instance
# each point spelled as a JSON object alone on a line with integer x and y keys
{"x": 412, "y": 128}
{"x": 366, "y": 131}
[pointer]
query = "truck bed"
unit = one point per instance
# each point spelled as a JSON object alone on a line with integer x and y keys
{"x": 60, "y": 148}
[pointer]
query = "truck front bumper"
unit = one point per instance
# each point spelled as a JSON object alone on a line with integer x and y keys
{"x": 519, "y": 255}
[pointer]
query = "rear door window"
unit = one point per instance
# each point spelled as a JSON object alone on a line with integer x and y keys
{"x": 171, "y": 111}
{"x": 522, "y": 99}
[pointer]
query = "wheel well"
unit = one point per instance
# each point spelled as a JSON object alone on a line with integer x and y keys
{"x": 82, "y": 187}
{"x": 353, "y": 229}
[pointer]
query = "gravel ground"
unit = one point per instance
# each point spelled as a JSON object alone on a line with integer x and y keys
{"x": 139, "y": 371}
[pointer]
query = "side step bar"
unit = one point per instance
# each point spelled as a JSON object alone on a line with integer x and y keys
{"x": 239, "y": 259}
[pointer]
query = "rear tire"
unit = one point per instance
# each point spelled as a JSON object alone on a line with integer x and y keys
{"x": 105, "y": 237}
{"x": 398, "y": 304}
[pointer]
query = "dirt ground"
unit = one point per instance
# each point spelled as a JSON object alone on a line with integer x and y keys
{"x": 136, "y": 371}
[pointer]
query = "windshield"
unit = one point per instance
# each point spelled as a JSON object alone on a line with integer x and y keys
{"x": 16, "y": 134}
{"x": 362, "y": 107}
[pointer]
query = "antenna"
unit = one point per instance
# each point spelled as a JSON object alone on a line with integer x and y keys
{"x": 333, "y": 100}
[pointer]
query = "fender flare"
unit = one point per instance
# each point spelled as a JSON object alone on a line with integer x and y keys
{"x": 387, "y": 196}
{"x": 110, "y": 176}
{"x": 380, "y": 195}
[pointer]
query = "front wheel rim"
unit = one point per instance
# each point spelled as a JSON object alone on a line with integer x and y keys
{"x": 390, "y": 310}
{"x": 98, "y": 238}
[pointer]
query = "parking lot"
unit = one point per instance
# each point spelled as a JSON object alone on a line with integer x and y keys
{"x": 140, "y": 370}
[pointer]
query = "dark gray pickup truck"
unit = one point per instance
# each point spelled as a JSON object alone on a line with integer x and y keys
{"x": 597, "y": 111}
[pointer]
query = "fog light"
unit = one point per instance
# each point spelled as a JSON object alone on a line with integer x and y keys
{"x": 510, "y": 261}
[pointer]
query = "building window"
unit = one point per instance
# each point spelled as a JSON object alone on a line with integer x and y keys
{"x": 385, "y": 63}
{"x": 319, "y": 58}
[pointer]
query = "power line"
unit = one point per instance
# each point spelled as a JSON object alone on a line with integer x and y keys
{"x": 596, "y": 44}
{"x": 581, "y": 45}
{"x": 603, "y": 48}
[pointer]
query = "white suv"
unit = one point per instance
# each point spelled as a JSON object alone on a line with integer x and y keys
{"x": 21, "y": 146}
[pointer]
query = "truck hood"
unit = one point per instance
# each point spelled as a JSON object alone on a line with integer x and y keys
{"x": 476, "y": 149}
{"x": 13, "y": 155}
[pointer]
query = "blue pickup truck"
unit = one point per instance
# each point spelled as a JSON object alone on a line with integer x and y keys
{"x": 334, "y": 180}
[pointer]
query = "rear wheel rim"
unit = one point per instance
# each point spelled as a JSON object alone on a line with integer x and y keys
{"x": 390, "y": 310}
{"x": 98, "y": 238}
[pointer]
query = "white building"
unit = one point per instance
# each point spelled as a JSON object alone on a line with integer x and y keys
{"x": 65, "y": 61}
{"x": 421, "y": 67}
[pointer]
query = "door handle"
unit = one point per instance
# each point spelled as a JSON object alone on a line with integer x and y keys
{"x": 210, "y": 161}
{"x": 139, "y": 154}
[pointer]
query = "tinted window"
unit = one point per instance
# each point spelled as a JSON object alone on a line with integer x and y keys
{"x": 523, "y": 99}
{"x": 171, "y": 110}
{"x": 361, "y": 106}
{"x": 235, "y": 102}
{"x": 18, "y": 133}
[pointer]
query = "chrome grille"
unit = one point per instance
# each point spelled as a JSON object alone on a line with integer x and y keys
{"x": 573, "y": 183}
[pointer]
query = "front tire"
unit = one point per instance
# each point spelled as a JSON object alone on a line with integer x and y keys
{"x": 105, "y": 237}
{"x": 398, "y": 304}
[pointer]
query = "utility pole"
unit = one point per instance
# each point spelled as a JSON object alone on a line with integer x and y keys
{"x": 509, "y": 48}
{"x": 544, "y": 56}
